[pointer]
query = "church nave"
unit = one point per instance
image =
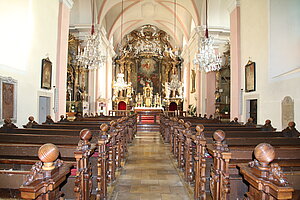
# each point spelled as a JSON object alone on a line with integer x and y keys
{"x": 149, "y": 172}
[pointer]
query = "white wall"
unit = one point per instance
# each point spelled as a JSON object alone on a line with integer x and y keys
{"x": 28, "y": 34}
{"x": 257, "y": 39}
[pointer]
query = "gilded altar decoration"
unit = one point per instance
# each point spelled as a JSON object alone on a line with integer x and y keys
{"x": 148, "y": 95}
{"x": 77, "y": 79}
{"x": 222, "y": 92}
{"x": 150, "y": 63}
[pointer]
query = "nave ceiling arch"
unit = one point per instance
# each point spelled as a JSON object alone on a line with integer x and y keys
{"x": 159, "y": 13}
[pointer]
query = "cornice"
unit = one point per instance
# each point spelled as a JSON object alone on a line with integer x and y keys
{"x": 232, "y": 4}
{"x": 68, "y": 3}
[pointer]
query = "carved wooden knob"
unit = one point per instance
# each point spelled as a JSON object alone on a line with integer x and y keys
{"x": 264, "y": 153}
{"x": 47, "y": 154}
{"x": 104, "y": 127}
{"x": 219, "y": 135}
{"x": 181, "y": 121}
{"x": 113, "y": 123}
{"x": 187, "y": 124}
{"x": 85, "y": 134}
{"x": 200, "y": 128}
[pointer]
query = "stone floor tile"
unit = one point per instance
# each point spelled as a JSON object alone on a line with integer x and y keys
{"x": 149, "y": 172}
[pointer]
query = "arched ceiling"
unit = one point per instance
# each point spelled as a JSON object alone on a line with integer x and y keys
{"x": 173, "y": 16}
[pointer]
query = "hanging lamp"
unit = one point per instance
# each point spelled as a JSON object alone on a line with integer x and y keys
{"x": 206, "y": 58}
{"x": 91, "y": 57}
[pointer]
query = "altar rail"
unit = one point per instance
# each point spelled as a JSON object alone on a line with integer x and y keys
{"x": 175, "y": 113}
{"x": 155, "y": 115}
{"x": 119, "y": 112}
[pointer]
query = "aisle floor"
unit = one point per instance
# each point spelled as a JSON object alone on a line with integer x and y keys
{"x": 149, "y": 172}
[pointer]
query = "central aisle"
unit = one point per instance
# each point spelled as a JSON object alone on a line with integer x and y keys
{"x": 149, "y": 172}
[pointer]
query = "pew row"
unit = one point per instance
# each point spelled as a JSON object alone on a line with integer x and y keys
{"x": 194, "y": 152}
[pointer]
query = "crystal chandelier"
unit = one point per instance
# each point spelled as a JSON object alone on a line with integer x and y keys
{"x": 91, "y": 57}
{"x": 207, "y": 58}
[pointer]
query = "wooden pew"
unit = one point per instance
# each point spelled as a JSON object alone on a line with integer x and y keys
{"x": 104, "y": 171}
{"x": 225, "y": 178}
{"x": 43, "y": 181}
{"x": 266, "y": 179}
{"x": 184, "y": 146}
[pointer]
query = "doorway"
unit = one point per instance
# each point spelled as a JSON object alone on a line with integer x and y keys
{"x": 252, "y": 109}
{"x": 44, "y": 108}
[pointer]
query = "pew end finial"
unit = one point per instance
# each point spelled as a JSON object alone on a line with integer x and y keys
{"x": 48, "y": 153}
{"x": 199, "y": 129}
{"x": 104, "y": 128}
{"x": 219, "y": 136}
{"x": 85, "y": 135}
{"x": 264, "y": 153}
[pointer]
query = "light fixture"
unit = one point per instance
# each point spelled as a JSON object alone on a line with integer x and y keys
{"x": 121, "y": 50}
{"x": 91, "y": 57}
{"x": 206, "y": 58}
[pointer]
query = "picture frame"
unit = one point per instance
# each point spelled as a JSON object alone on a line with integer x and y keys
{"x": 46, "y": 76}
{"x": 8, "y": 99}
{"x": 250, "y": 77}
{"x": 193, "y": 78}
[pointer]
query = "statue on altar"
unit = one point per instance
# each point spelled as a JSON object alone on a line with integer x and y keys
{"x": 139, "y": 100}
{"x": 157, "y": 100}
{"x": 148, "y": 95}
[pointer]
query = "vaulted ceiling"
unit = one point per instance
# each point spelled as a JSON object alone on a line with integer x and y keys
{"x": 177, "y": 17}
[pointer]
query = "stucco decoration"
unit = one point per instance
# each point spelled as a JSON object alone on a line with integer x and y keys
{"x": 8, "y": 98}
{"x": 287, "y": 111}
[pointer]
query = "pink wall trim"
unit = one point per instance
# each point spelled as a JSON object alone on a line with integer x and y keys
{"x": 188, "y": 84}
{"x": 210, "y": 92}
{"x": 235, "y": 51}
{"x": 199, "y": 91}
{"x": 61, "y": 61}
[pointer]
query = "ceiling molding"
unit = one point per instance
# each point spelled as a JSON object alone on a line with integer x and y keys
{"x": 110, "y": 33}
{"x": 185, "y": 32}
{"x": 68, "y": 3}
{"x": 232, "y": 4}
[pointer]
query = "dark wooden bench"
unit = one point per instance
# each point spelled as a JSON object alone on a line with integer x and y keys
{"x": 270, "y": 178}
{"x": 190, "y": 151}
{"x": 225, "y": 181}
{"x": 43, "y": 181}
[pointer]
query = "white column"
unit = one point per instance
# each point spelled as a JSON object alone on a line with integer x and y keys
{"x": 62, "y": 56}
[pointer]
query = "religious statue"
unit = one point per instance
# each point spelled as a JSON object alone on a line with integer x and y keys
{"x": 129, "y": 90}
{"x": 180, "y": 90}
{"x": 157, "y": 100}
{"x": 148, "y": 95}
{"x": 139, "y": 100}
{"x": 167, "y": 90}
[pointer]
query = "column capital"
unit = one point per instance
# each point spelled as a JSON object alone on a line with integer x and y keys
{"x": 68, "y": 3}
{"x": 232, "y": 4}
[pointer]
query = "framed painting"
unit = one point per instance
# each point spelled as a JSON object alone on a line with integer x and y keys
{"x": 8, "y": 98}
{"x": 193, "y": 77}
{"x": 46, "y": 74}
{"x": 250, "y": 77}
{"x": 148, "y": 73}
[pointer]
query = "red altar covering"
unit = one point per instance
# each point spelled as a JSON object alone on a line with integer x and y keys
{"x": 148, "y": 114}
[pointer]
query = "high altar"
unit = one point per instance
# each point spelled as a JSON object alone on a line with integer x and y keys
{"x": 150, "y": 69}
